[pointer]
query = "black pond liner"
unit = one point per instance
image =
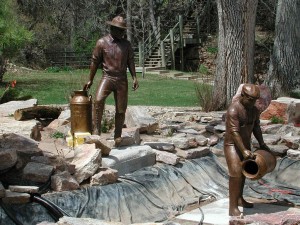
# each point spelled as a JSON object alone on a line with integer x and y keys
{"x": 154, "y": 194}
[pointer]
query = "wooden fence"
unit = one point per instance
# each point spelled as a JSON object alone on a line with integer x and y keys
{"x": 69, "y": 59}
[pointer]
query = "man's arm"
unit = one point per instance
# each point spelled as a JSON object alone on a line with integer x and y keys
{"x": 258, "y": 135}
{"x": 131, "y": 67}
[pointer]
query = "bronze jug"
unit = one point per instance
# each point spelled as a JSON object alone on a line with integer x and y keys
{"x": 263, "y": 163}
{"x": 81, "y": 112}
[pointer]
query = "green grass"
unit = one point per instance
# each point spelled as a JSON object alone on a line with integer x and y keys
{"x": 50, "y": 87}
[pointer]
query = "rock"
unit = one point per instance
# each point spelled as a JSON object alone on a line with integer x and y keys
{"x": 16, "y": 147}
{"x": 57, "y": 123}
{"x": 37, "y": 172}
{"x": 104, "y": 176}
{"x": 210, "y": 129}
{"x": 87, "y": 160}
{"x": 10, "y": 125}
{"x": 269, "y": 139}
{"x": 55, "y": 146}
{"x": 293, "y": 109}
{"x": 65, "y": 115}
{"x": 206, "y": 119}
{"x": 194, "y": 153}
{"x": 8, "y": 158}
{"x": 9, "y": 108}
{"x": 271, "y": 129}
{"x": 63, "y": 181}
{"x": 181, "y": 142}
{"x": 291, "y": 142}
{"x": 264, "y": 122}
{"x": 41, "y": 159}
{"x": 23, "y": 189}
{"x": 46, "y": 223}
{"x": 213, "y": 140}
{"x": 201, "y": 140}
{"x": 163, "y": 146}
{"x": 278, "y": 150}
{"x": 188, "y": 131}
{"x": 99, "y": 142}
{"x": 130, "y": 136}
{"x": 293, "y": 154}
{"x": 16, "y": 198}
{"x": 286, "y": 108}
{"x": 220, "y": 127}
{"x": 275, "y": 110}
{"x": 285, "y": 217}
{"x": 137, "y": 116}
{"x": 288, "y": 128}
{"x": 84, "y": 221}
{"x": 166, "y": 157}
{"x": 130, "y": 159}
{"x": 62, "y": 165}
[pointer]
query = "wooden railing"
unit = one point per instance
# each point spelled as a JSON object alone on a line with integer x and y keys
{"x": 173, "y": 40}
{"x": 74, "y": 59}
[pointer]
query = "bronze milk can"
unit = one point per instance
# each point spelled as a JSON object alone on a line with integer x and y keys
{"x": 81, "y": 112}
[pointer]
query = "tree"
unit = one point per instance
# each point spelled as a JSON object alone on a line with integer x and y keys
{"x": 235, "y": 48}
{"x": 128, "y": 20}
{"x": 13, "y": 36}
{"x": 284, "y": 70}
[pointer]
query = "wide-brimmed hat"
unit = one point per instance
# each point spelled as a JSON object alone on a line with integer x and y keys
{"x": 118, "y": 21}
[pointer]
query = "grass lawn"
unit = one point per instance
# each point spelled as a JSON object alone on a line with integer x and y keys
{"x": 56, "y": 87}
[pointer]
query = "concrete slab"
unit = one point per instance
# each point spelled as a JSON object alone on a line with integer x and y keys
{"x": 130, "y": 159}
{"x": 217, "y": 212}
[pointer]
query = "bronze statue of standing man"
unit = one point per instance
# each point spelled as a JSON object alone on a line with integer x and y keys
{"x": 113, "y": 53}
{"x": 242, "y": 119}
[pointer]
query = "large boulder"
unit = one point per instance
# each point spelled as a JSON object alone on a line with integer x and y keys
{"x": 15, "y": 147}
{"x": 285, "y": 108}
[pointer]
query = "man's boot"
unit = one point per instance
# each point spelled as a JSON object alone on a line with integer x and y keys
{"x": 119, "y": 122}
{"x": 97, "y": 117}
{"x": 234, "y": 194}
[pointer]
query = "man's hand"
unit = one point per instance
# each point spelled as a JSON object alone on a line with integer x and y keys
{"x": 87, "y": 85}
{"x": 247, "y": 154}
{"x": 135, "y": 84}
{"x": 264, "y": 147}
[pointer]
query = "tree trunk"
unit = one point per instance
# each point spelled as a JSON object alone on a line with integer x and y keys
{"x": 235, "y": 48}
{"x": 37, "y": 112}
{"x": 284, "y": 73}
{"x": 152, "y": 17}
{"x": 128, "y": 21}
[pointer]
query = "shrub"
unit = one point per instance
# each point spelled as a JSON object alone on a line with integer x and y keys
{"x": 204, "y": 93}
{"x": 212, "y": 50}
{"x": 57, "y": 134}
{"x": 53, "y": 69}
{"x": 203, "y": 69}
{"x": 276, "y": 119}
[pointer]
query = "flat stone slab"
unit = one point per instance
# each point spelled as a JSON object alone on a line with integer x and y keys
{"x": 23, "y": 189}
{"x": 130, "y": 159}
{"x": 10, "y": 125}
{"x": 16, "y": 198}
{"x": 217, "y": 213}
{"x": 9, "y": 108}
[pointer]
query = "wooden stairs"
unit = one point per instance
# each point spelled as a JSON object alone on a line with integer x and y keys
{"x": 159, "y": 55}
